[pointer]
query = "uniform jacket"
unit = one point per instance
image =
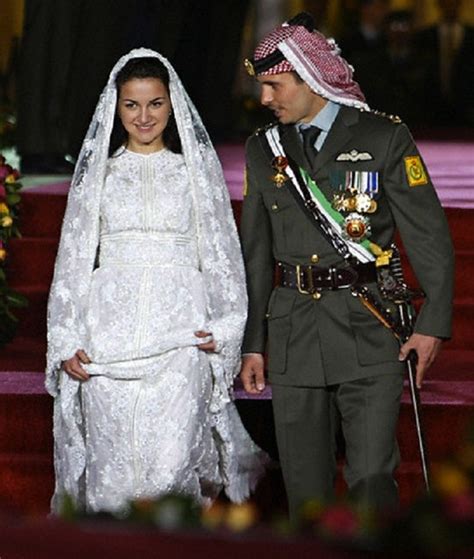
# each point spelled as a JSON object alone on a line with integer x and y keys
{"x": 335, "y": 339}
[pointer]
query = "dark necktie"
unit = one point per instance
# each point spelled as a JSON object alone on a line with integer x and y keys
{"x": 310, "y": 135}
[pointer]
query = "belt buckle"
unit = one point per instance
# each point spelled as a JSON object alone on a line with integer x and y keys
{"x": 309, "y": 278}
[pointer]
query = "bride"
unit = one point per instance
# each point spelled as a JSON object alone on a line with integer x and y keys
{"x": 147, "y": 306}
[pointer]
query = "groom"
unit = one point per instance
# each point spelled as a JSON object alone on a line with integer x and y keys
{"x": 330, "y": 360}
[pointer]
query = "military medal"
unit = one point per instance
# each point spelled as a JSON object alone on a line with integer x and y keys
{"x": 279, "y": 163}
{"x": 356, "y": 227}
{"x": 342, "y": 203}
{"x": 364, "y": 203}
{"x": 359, "y": 190}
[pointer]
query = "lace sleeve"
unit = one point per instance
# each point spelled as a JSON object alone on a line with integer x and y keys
{"x": 72, "y": 276}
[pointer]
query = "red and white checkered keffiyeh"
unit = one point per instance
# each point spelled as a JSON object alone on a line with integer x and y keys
{"x": 316, "y": 60}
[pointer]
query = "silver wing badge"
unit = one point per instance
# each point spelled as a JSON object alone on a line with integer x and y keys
{"x": 355, "y": 156}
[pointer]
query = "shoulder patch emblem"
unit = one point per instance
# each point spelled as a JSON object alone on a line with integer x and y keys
{"x": 354, "y": 156}
{"x": 415, "y": 171}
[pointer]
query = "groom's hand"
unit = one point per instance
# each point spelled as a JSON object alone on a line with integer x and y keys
{"x": 252, "y": 373}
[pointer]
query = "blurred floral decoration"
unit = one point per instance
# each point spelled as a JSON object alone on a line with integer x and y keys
{"x": 9, "y": 201}
{"x": 436, "y": 525}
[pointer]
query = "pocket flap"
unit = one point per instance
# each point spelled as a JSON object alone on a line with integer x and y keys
{"x": 281, "y": 303}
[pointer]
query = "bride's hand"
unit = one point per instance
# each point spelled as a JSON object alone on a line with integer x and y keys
{"x": 206, "y": 346}
{"x": 73, "y": 366}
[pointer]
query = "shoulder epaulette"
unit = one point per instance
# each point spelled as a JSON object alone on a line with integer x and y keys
{"x": 393, "y": 118}
{"x": 263, "y": 129}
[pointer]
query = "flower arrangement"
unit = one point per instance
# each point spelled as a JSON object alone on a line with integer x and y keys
{"x": 9, "y": 201}
{"x": 436, "y": 525}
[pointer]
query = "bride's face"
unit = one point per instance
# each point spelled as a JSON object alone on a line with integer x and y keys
{"x": 144, "y": 107}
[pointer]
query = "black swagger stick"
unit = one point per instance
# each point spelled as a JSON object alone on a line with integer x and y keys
{"x": 406, "y": 320}
{"x": 402, "y": 330}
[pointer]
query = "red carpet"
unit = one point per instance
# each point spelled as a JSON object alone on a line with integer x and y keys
{"x": 26, "y": 476}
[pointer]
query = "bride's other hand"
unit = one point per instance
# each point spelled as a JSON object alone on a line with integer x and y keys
{"x": 206, "y": 346}
{"x": 73, "y": 366}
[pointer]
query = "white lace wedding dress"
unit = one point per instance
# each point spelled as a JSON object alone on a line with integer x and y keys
{"x": 147, "y": 423}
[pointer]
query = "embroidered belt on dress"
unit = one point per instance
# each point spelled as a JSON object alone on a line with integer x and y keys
{"x": 308, "y": 279}
{"x": 149, "y": 249}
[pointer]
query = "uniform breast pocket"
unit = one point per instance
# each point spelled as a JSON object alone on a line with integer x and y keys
{"x": 285, "y": 217}
{"x": 279, "y": 329}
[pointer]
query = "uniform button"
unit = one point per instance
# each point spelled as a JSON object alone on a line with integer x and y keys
{"x": 314, "y": 259}
{"x": 274, "y": 207}
{"x": 316, "y": 295}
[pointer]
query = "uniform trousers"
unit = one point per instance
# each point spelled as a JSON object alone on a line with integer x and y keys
{"x": 306, "y": 424}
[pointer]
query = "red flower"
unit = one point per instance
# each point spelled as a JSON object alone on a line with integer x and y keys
{"x": 461, "y": 507}
{"x": 3, "y": 192}
{"x": 339, "y": 520}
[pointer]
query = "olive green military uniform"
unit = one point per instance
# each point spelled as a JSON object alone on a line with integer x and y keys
{"x": 330, "y": 356}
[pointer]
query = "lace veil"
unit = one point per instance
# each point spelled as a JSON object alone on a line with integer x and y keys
{"x": 219, "y": 251}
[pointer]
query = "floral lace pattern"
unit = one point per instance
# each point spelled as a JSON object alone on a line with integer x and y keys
{"x": 148, "y": 254}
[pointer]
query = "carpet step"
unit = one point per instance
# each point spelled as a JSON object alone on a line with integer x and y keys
{"x": 460, "y": 225}
{"x": 32, "y": 319}
{"x": 453, "y": 365}
{"x": 26, "y": 482}
{"x": 26, "y": 424}
{"x": 31, "y": 261}
{"x": 464, "y": 272}
{"x": 463, "y": 317}
{"x": 41, "y": 215}
{"x": 26, "y": 411}
{"x": 24, "y": 353}
{"x": 446, "y": 411}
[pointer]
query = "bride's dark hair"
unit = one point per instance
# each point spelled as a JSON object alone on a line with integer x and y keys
{"x": 140, "y": 68}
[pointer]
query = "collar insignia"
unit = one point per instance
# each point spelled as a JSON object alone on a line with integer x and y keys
{"x": 353, "y": 156}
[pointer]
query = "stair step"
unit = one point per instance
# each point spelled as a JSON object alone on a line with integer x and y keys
{"x": 464, "y": 272}
{"x": 31, "y": 261}
{"x": 26, "y": 482}
{"x": 35, "y": 206}
{"x": 26, "y": 411}
{"x": 463, "y": 317}
{"x": 453, "y": 365}
{"x": 26, "y": 423}
{"x": 445, "y": 412}
{"x": 24, "y": 353}
{"x": 460, "y": 225}
{"x": 41, "y": 215}
{"x": 32, "y": 319}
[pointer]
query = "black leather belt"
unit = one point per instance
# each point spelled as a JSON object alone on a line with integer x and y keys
{"x": 309, "y": 279}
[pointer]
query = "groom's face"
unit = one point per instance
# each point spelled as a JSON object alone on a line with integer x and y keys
{"x": 290, "y": 98}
